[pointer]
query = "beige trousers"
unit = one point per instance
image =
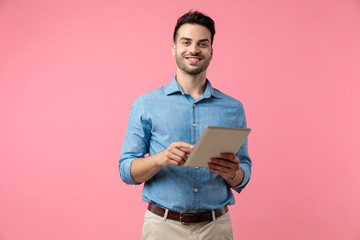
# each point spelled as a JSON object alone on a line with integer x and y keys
{"x": 159, "y": 228}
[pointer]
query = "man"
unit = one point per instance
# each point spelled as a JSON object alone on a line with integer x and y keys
{"x": 185, "y": 202}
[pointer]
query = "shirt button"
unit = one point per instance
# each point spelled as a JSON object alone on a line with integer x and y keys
{"x": 196, "y": 190}
{"x": 194, "y": 125}
{"x": 194, "y": 105}
{"x": 196, "y": 167}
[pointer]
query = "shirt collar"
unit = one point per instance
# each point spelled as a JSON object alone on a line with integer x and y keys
{"x": 174, "y": 87}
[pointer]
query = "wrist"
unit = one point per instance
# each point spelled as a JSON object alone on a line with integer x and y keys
{"x": 232, "y": 178}
{"x": 160, "y": 160}
{"x": 237, "y": 178}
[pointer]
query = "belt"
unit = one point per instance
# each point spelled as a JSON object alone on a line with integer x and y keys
{"x": 188, "y": 217}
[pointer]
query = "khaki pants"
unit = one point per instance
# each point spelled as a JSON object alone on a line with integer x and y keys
{"x": 158, "y": 228}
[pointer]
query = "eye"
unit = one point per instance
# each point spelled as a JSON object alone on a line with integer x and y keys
{"x": 186, "y": 42}
{"x": 204, "y": 44}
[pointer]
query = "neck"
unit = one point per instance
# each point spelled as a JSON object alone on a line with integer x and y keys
{"x": 195, "y": 85}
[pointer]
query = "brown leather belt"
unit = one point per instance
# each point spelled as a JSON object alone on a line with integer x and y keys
{"x": 188, "y": 217}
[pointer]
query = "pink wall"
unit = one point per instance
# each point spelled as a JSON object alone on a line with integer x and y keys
{"x": 69, "y": 71}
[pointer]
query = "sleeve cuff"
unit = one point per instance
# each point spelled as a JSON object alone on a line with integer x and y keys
{"x": 125, "y": 172}
{"x": 244, "y": 182}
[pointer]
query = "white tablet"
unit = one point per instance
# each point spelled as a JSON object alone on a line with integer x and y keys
{"x": 214, "y": 141}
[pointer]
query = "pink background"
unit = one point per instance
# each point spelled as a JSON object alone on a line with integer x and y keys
{"x": 69, "y": 71}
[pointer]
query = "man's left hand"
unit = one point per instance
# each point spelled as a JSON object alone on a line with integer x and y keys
{"x": 226, "y": 166}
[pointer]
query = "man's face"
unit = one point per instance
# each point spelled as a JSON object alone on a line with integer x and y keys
{"x": 192, "y": 48}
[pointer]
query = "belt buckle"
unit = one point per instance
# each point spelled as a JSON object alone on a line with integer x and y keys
{"x": 185, "y": 213}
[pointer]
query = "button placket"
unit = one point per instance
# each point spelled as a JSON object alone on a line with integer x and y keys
{"x": 194, "y": 124}
{"x": 196, "y": 172}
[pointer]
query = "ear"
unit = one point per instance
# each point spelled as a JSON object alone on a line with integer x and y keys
{"x": 212, "y": 53}
{"x": 173, "y": 49}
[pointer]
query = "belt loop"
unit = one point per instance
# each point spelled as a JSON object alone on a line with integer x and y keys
{"x": 166, "y": 214}
{"x": 213, "y": 215}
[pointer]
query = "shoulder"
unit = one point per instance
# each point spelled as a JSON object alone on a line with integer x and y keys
{"x": 146, "y": 100}
{"x": 227, "y": 98}
{"x": 150, "y": 96}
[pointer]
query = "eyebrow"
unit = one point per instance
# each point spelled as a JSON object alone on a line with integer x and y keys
{"x": 189, "y": 39}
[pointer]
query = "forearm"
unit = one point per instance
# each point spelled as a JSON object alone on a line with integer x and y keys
{"x": 143, "y": 169}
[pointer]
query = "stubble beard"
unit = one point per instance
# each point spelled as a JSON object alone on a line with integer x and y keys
{"x": 180, "y": 61}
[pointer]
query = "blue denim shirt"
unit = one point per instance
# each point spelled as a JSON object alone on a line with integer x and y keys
{"x": 168, "y": 115}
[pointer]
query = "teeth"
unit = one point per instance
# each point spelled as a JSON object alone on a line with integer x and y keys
{"x": 194, "y": 59}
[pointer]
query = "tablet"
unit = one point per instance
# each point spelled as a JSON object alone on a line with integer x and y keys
{"x": 216, "y": 140}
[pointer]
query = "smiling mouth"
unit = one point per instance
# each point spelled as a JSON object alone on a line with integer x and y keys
{"x": 193, "y": 59}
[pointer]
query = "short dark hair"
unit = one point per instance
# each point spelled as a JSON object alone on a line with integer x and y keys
{"x": 195, "y": 17}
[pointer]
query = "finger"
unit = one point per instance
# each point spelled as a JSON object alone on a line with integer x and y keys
{"x": 225, "y": 163}
{"x": 186, "y": 150}
{"x": 221, "y": 168}
{"x": 177, "y": 163}
{"x": 223, "y": 174}
{"x": 182, "y": 145}
{"x": 230, "y": 157}
{"x": 179, "y": 153}
{"x": 175, "y": 160}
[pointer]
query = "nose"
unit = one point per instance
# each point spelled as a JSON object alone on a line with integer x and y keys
{"x": 194, "y": 49}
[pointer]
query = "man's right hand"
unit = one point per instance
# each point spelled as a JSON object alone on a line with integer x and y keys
{"x": 143, "y": 169}
{"x": 175, "y": 154}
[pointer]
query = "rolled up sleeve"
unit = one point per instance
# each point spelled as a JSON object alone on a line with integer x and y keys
{"x": 136, "y": 142}
{"x": 243, "y": 155}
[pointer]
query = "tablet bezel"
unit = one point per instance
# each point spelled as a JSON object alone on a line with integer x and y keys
{"x": 215, "y": 140}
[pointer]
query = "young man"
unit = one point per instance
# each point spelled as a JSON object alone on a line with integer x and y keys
{"x": 185, "y": 202}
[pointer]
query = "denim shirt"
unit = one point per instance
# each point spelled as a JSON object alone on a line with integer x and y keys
{"x": 168, "y": 115}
